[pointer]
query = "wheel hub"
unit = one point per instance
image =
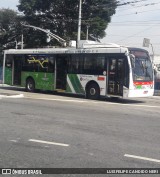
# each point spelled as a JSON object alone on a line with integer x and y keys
{"x": 92, "y": 91}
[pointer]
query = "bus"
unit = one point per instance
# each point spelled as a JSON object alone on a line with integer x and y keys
{"x": 94, "y": 70}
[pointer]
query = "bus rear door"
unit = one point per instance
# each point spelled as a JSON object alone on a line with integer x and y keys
{"x": 61, "y": 72}
{"x": 17, "y": 65}
{"x": 115, "y": 76}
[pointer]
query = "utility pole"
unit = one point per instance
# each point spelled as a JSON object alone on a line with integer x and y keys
{"x": 79, "y": 23}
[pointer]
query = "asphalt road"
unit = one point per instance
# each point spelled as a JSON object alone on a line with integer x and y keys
{"x": 54, "y": 131}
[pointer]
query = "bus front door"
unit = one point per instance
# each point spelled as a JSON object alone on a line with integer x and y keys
{"x": 17, "y": 65}
{"x": 61, "y": 73}
{"x": 115, "y": 76}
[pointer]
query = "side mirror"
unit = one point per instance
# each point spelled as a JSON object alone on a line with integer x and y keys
{"x": 132, "y": 57}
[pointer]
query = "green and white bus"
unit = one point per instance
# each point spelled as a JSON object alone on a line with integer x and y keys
{"x": 94, "y": 70}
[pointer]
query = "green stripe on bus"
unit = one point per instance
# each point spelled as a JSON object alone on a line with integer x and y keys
{"x": 76, "y": 83}
{"x": 68, "y": 89}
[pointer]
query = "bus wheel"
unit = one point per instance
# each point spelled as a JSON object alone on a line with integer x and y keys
{"x": 30, "y": 85}
{"x": 93, "y": 91}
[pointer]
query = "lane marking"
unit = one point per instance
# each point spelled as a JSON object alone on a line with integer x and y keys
{"x": 15, "y": 141}
{"x": 62, "y": 100}
{"x": 94, "y": 102}
{"x": 16, "y": 96}
{"x": 142, "y": 158}
{"x": 12, "y": 96}
{"x": 48, "y": 142}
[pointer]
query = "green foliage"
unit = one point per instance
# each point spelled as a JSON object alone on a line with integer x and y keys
{"x": 10, "y": 29}
{"x": 61, "y": 17}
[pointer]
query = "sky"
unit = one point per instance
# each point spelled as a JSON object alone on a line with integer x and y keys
{"x": 130, "y": 25}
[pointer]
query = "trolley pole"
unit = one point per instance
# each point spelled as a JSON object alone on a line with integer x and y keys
{"x": 22, "y": 41}
{"x": 79, "y": 23}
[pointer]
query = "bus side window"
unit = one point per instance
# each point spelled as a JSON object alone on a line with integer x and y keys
{"x": 100, "y": 65}
{"x": 51, "y": 65}
{"x": 113, "y": 64}
{"x": 75, "y": 64}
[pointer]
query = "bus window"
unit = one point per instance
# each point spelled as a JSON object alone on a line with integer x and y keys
{"x": 94, "y": 64}
{"x": 75, "y": 64}
{"x": 51, "y": 64}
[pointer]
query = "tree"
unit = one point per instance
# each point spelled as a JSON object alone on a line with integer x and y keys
{"x": 61, "y": 17}
{"x": 10, "y": 29}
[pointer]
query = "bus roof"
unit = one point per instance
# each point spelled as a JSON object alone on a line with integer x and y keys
{"x": 85, "y": 47}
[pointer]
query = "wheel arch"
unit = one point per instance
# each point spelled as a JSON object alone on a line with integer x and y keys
{"x": 30, "y": 77}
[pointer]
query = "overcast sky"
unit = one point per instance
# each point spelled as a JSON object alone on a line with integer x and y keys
{"x": 130, "y": 25}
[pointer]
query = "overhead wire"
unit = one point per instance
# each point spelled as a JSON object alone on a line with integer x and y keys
{"x": 137, "y": 6}
{"x": 135, "y": 34}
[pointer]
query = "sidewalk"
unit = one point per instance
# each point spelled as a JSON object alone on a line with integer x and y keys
{"x": 8, "y": 91}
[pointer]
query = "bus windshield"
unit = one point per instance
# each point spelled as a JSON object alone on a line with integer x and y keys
{"x": 141, "y": 66}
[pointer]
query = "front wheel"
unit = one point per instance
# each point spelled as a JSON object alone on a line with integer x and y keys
{"x": 30, "y": 85}
{"x": 93, "y": 91}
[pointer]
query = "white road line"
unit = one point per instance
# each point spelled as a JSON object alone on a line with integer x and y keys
{"x": 15, "y": 141}
{"x": 63, "y": 100}
{"x": 142, "y": 158}
{"x": 16, "y": 96}
{"x": 12, "y": 96}
{"x": 48, "y": 142}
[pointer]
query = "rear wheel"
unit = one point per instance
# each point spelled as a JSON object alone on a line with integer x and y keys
{"x": 30, "y": 85}
{"x": 93, "y": 91}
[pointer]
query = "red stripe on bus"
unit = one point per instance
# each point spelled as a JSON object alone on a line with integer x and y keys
{"x": 101, "y": 78}
{"x": 143, "y": 83}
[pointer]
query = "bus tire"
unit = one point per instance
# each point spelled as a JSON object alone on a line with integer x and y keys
{"x": 93, "y": 91}
{"x": 30, "y": 85}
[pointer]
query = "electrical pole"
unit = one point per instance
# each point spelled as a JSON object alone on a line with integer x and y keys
{"x": 87, "y": 32}
{"x": 79, "y": 23}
